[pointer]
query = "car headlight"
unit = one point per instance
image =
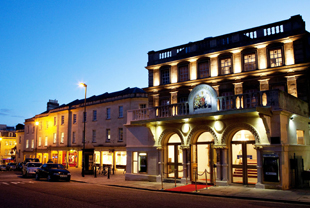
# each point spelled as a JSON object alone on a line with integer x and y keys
{"x": 69, "y": 174}
{"x": 55, "y": 173}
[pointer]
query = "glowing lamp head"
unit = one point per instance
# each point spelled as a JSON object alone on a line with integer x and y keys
{"x": 0, "y": 138}
{"x": 37, "y": 123}
{"x": 82, "y": 84}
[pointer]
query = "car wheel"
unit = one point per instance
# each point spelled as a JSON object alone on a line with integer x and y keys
{"x": 37, "y": 177}
{"x": 49, "y": 177}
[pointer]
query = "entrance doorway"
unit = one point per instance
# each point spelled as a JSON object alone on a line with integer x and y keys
{"x": 175, "y": 157}
{"x": 203, "y": 158}
{"x": 243, "y": 158}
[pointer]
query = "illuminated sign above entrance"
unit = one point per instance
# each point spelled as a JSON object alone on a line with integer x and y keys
{"x": 202, "y": 98}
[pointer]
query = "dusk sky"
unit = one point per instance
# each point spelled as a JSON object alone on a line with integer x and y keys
{"x": 49, "y": 46}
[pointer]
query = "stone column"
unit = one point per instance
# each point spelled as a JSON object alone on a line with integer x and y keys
{"x": 160, "y": 164}
{"x": 174, "y": 74}
{"x": 259, "y": 167}
{"x": 185, "y": 179}
{"x": 193, "y": 69}
{"x": 237, "y": 62}
{"x": 261, "y": 57}
{"x": 218, "y": 165}
{"x": 285, "y": 170}
{"x": 214, "y": 66}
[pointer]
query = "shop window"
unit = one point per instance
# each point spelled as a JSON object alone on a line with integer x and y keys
{"x": 225, "y": 65}
{"x": 275, "y": 57}
{"x": 249, "y": 62}
{"x": 120, "y": 160}
{"x": 139, "y": 162}
{"x": 300, "y": 137}
{"x": 107, "y": 158}
{"x": 97, "y": 157}
{"x": 203, "y": 69}
{"x": 165, "y": 76}
{"x": 183, "y": 73}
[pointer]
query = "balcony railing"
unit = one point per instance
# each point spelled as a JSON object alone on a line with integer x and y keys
{"x": 276, "y": 99}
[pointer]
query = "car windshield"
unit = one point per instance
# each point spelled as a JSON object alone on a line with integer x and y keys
{"x": 55, "y": 166}
{"x": 34, "y": 164}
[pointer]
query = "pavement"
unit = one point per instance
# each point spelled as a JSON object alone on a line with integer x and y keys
{"x": 300, "y": 196}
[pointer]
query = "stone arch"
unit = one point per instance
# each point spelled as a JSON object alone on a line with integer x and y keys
{"x": 200, "y": 129}
{"x": 169, "y": 132}
{"x": 232, "y": 129}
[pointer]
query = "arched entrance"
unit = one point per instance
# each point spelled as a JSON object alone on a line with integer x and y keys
{"x": 203, "y": 157}
{"x": 175, "y": 157}
{"x": 243, "y": 158}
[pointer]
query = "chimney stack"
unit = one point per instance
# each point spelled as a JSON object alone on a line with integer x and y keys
{"x": 52, "y": 104}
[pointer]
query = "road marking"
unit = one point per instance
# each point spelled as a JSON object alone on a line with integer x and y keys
{"x": 15, "y": 182}
{"x": 5, "y": 183}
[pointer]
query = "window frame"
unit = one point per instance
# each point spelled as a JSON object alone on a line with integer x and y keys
{"x": 62, "y": 120}
{"x": 120, "y": 111}
{"x": 184, "y": 68}
{"x": 276, "y": 46}
{"x": 73, "y": 137}
{"x": 165, "y": 79}
{"x": 223, "y": 57}
{"x": 247, "y": 52}
{"x": 108, "y": 111}
{"x": 54, "y": 138}
{"x": 108, "y": 135}
{"x": 94, "y": 136}
{"x": 94, "y": 115}
{"x": 120, "y": 134}
{"x": 203, "y": 61}
{"x": 74, "y": 119}
{"x": 62, "y": 137}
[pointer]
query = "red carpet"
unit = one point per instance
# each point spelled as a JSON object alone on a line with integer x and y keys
{"x": 188, "y": 188}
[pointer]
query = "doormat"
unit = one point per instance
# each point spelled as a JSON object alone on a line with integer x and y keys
{"x": 187, "y": 188}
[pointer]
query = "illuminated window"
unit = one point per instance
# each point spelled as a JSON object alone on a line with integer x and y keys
{"x": 73, "y": 137}
{"x": 74, "y": 118}
{"x": 54, "y": 138}
{"x": 183, "y": 73}
{"x": 32, "y": 143}
{"x": 46, "y": 141}
{"x": 108, "y": 113}
{"x": 225, "y": 66}
{"x": 94, "y": 115}
{"x": 275, "y": 57}
{"x": 203, "y": 69}
{"x": 120, "y": 134}
{"x": 300, "y": 137}
{"x": 120, "y": 112}
{"x": 139, "y": 162}
{"x": 165, "y": 76}
{"x": 62, "y": 138}
{"x": 40, "y": 141}
{"x": 27, "y": 143}
{"x": 108, "y": 133}
{"x": 94, "y": 136}
{"x": 249, "y": 62}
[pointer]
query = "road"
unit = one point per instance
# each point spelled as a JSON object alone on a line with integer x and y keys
{"x": 16, "y": 191}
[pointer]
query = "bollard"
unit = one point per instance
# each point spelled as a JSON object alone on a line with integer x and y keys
{"x": 195, "y": 180}
{"x": 186, "y": 175}
{"x": 109, "y": 172}
{"x": 175, "y": 177}
{"x": 95, "y": 175}
{"x": 214, "y": 175}
{"x": 206, "y": 179}
{"x": 162, "y": 183}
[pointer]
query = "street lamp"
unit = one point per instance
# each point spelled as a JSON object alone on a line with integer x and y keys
{"x": 84, "y": 118}
{"x": 36, "y": 146}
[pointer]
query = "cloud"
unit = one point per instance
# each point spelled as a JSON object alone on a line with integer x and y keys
{"x": 4, "y": 112}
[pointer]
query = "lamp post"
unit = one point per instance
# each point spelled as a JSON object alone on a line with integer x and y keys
{"x": 84, "y": 119}
{"x": 36, "y": 146}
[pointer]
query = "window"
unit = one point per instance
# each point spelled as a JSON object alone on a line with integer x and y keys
{"x": 62, "y": 120}
{"x": 120, "y": 134}
{"x": 62, "y": 138}
{"x": 40, "y": 142}
{"x": 32, "y": 143}
{"x": 108, "y": 138}
{"x": 74, "y": 118}
{"x": 183, "y": 73}
{"x": 165, "y": 76}
{"x": 275, "y": 57}
{"x": 120, "y": 111}
{"x": 249, "y": 62}
{"x": 47, "y": 124}
{"x": 73, "y": 137}
{"x": 94, "y": 136}
{"x": 20, "y": 140}
{"x": 33, "y": 129}
{"x": 94, "y": 115}
{"x": 27, "y": 143}
{"x": 141, "y": 106}
{"x": 55, "y": 121}
{"x": 225, "y": 66}
{"x": 203, "y": 69}
{"x": 164, "y": 102}
{"x": 300, "y": 137}
{"x": 46, "y": 141}
{"x": 54, "y": 138}
{"x": 108, "y": 113}
{"x": 84, "y": 116}
{"x": 139, "y": 162}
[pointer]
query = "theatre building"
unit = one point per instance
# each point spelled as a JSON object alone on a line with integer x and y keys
{"x": 235, "y": 106}
{"x": 57, "y": 133}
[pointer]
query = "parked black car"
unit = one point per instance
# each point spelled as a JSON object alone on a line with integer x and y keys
{"x": 52, "y": 172}
{"x": 19, "y": 166}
